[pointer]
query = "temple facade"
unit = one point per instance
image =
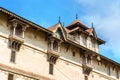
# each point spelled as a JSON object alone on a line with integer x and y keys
{"x": 31, "y": 52}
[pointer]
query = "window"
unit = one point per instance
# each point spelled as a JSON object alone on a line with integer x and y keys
{"x": 73, "y": 53}
{"x": 51, "y": 66}
{"x": 10, "y": 76}
{"x": 55, "y": 46}
{"x": 93, "y": 44}
{"x": 86, "y": 78}
{"x": 108, "y": 70}
{"x": 19, "y": 31}
{"x": 88, "y": 60}
{"x": 84, "y": 40}
{"x": 13, "y": 55}
{"x": 117, "y": 74}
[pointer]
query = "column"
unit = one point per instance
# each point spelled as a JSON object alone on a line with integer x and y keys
{"x": 51, "y": 44}
{"x": 86, "y": 58}
{"x": 23, "y": 30}
{"x": 59, "y": 44}
{"x": 14, "y": 27}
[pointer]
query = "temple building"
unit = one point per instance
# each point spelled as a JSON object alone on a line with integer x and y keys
{"x": 29, "y": 51}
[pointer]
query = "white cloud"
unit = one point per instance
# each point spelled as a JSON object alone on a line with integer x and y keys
{"x": 106, "y": 16}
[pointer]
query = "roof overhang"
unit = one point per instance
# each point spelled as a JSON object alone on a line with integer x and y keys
{"x": 24, "y": 20}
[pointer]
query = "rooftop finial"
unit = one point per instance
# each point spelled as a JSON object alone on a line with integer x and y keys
{"x": 59, "y": 19}
{"x": 92, "y": 25}
{"x": 63, "y": 24}
{"x": 76, "y": 16}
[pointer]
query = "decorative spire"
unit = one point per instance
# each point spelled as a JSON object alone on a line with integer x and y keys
{"x": 63, "y": 24}
{"x": 92, "y": 25}
{"x": 76, "y": 16}
{"x": 59, "y": 18}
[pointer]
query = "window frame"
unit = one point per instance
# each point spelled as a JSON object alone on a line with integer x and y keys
{"x": 13, "y": 56}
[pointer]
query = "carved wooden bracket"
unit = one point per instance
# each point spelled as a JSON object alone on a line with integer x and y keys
{"x": 15, "y": 42}
{"x": 52, "y": 56}
{"x": 87, "y": 69}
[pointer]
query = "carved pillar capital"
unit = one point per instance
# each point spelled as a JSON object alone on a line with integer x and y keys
{"x": 86, "y": 55}
{"x": 51, "y": 40}
{"x": 51, "y": 43}
{"x": 14, "y": 24}
{"x": 24, "y": 27}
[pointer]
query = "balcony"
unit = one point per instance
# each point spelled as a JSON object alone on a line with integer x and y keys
{"x": 15, "y": 42}
{"x": 53, "y": 56}
{"x": 87, "y": 68}
{"x": 16, "y": 38}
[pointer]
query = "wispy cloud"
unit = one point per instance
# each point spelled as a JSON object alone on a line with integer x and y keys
{"x": 106, "y": 16}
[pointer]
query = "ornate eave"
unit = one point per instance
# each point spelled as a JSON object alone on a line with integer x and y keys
{"x": 24, "y": 20}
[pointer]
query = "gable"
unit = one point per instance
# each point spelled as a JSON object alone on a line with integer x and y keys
{"x": 59, "y": 34}
{"x": 58, "y": 31}
{"x": 91, "y": 32}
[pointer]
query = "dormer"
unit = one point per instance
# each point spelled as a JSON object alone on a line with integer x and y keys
{"x": 58, "y": 31}
{"x": 83, "y": 35}
{"x": 55, "y": 41}
{"x": 16, "y": 37}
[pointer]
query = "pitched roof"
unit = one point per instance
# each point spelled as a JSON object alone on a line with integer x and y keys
{"x": 90, "y": 31}
{"x": 77, "y": 21}
{"x": 67, "y": 30}
{"x": 54, "y": 27}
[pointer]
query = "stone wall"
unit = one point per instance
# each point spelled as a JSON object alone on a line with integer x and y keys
{"x": 32, "y": 58}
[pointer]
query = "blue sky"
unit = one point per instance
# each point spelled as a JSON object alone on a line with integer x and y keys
{"x": 105, "y": 14}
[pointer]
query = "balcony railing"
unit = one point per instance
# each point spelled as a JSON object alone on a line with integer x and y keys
{"x": 87, "y": 64}
{"x": 54, "y": 52}
{"x": 53, "y": 56}
{"x": 17, "y": 38}
{"x": 15, "y": 42}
